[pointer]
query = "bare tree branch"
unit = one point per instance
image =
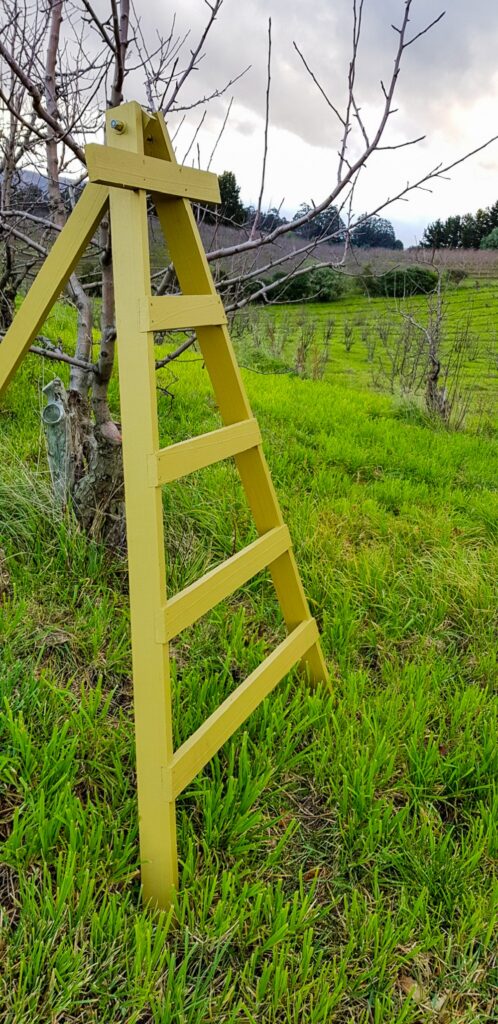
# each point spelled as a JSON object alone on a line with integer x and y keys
{"x": 61, "y": 357}
{"x": 319, "y": 87}
{"x": 178, "y": 352}
{"x": 98, "y": 23}
{"x": 423, "y": 31}
{"x": 265, "y": 146}
{"x": 34, "y": 92}
{"x": 214, "y": 8}
{"x": 220, "y": 134}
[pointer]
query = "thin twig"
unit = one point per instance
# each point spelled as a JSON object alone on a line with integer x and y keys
{"x": 265, "y": 147}
{"x": 317, "y": 83}
{"x": 61, "y": 357}
{"x": 178, "y": 352}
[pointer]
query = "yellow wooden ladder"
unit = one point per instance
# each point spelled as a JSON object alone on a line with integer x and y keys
{"x": 139, "y": 159}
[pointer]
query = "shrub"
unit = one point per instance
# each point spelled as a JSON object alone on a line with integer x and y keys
{"x": 296, "y": 289}
{"x": 400, "y": 282}
{"x": 321, "y": 285}
{"x": 454, "y": 275}
{"x": 328, "y": 285}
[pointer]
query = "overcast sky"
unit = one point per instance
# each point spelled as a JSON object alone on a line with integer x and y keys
{"x": 448, "y": 90}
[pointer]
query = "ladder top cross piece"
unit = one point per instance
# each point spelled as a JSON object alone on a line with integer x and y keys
{"x": 121, "y": 169}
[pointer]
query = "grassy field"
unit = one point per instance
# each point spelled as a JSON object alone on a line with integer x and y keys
{"x": 363, "y": 335}
{"x": 339, "y": 854}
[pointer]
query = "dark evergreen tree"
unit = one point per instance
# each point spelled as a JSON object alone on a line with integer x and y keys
{"x": 465, "y": 232}
{"x": 375, "y": 232}
{"x": 230, "y": 210}
{"x": 469, "y": 232}
{"x": 486, "y": 220}
{"x": 453, "y": 228}
{"x": 325, "y": 224}
{"x": 270, "y": 220}
{"x": 434, "y": 235}
{"x": 231, "y": 207}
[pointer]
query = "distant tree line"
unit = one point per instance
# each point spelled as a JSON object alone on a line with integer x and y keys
{"x": 371, "y": 232}
{"x": 467, "y": 231}
{"x": 30, "y": 192}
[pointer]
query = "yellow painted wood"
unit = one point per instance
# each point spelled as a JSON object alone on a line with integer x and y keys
{"x": 191, "y": 757}
{"x": 192, "y": 268}
{"x": 146, "y": 562}
{"x": 199, "y": 452}
{"x": 181, "y": 312}
{"x": 134, "y": 165}
{"x": 51, "y": 278}
{"x": 133, "y": 170}
{"x": 197, "y": 599}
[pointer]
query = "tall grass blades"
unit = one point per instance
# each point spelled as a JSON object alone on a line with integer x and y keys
{"x": 338, "y": 856}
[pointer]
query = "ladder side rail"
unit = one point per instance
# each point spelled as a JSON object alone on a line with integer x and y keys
{"x": 144, "y": 520}
{"x": 178, "y": 224}
{"x": 51, "y": 278}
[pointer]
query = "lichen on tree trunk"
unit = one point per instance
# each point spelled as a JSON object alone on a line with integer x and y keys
{"x": 98, "y": 496}
{"x": 85, "y": 463}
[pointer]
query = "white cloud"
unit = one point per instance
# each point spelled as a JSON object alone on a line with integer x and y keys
{"x": 448, "y": 89}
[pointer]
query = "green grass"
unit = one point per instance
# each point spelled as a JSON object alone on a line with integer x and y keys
{"x": 341, "y": 850}
{"x": 470, "y": 313}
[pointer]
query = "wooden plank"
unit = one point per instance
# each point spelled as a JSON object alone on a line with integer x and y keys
{"x": 198, "y": 452}
{"x": 191, "y": 757}
{"x": 181, "y": 312}
{"x": 51, "y": 278}
{"x": 188, "y": 606}
{"x": 144, "y": 523}
{"x": 134, "y": 170}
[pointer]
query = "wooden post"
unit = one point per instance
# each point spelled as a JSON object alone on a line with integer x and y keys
{"x": 144, "y": 525}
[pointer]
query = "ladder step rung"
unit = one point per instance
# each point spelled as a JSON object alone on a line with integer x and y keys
{"x": 197, "y": 599}
{"x": 198, "y": 452}
{"x": 191, "y": 757}
{"x": 181, "y": 312}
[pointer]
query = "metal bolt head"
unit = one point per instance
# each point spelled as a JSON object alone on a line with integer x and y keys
{"x": 117, "y": 126}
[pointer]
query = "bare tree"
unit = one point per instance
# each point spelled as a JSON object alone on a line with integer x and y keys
{"x": 17, "y": 139}
{"x": 441, "y": 356}
{"x": 62, "y": 67}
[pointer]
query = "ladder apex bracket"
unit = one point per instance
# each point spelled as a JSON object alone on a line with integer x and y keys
{"x": 122, "y": 168}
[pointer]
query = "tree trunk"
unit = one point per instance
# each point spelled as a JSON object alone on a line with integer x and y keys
{"x": 91, "y": 465}
{"x": 10, "y": 278}
{"x": 436, "y": 399}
